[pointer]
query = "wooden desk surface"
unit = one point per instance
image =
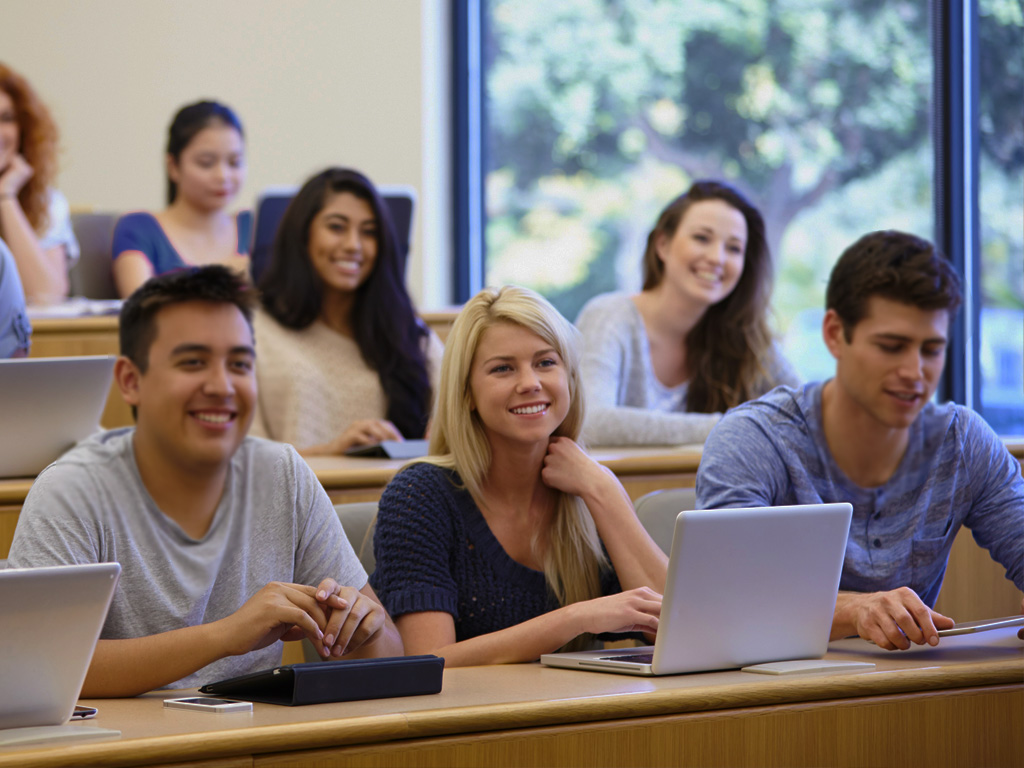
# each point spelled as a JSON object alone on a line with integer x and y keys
{"x": 968, "y": 682}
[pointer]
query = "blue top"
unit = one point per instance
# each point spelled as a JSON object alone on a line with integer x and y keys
{"x": 140, "y": 231}
{"x": 956, "y": 471}
{"x": 435, "y": 552}
{"x": 15, "y": 330}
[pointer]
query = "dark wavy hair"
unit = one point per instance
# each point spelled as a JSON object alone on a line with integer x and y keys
{"x": 190, "y": 120}
{"x": 389, "y": 334}
{"x": 893, "y": 265}
{"x": 728, "y": 351}
{"x": 38, "y": 145}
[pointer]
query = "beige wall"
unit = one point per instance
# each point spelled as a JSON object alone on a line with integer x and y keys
{"x": 315, "y": 82}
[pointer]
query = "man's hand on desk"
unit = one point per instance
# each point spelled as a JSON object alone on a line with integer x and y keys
{"x": 892, "y": 620}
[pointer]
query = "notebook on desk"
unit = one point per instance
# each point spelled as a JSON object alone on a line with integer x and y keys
{"x": 47, "y": 404}
{"x": 51, "y": 620}
{"x": 744, "y": 586}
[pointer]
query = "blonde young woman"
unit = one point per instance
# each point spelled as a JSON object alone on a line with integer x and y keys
{"x": 508, "y": 541}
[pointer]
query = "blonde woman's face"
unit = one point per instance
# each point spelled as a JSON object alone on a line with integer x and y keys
{"x": 10, "y": 134}
{"x": 519, "y": 386}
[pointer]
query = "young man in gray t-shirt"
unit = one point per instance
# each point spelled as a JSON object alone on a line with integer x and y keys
{"x": 220, "y": 536}
{"x": 914, "y": 471}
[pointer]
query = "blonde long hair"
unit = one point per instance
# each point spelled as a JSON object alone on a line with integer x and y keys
{"x": 573, "y": 557}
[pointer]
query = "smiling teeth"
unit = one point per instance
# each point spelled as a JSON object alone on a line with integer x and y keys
{"x": 214, "y": 418}
{"x": 529, "y": 409}
{"x": 707, "y": 275}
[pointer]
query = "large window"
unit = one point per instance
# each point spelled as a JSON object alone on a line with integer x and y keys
{"x": 595, "y": 113}
{"x": 1001, "y": 204}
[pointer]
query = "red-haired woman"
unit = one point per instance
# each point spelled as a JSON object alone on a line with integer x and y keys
{"x": 34, "y": 218}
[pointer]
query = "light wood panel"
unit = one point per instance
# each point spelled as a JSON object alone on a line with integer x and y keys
{"x": 928, "y": 729}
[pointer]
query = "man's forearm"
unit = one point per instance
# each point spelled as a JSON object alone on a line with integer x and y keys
{"x": 122, "y": 668}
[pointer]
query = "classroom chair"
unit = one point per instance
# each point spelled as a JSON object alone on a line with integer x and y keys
{"x": 92, "y": 275}
{"x": 657, "y": 512}
{"x": 273, "y": 201}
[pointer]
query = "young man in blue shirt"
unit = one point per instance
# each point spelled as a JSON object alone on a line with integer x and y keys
{"x": 914, "y": 471}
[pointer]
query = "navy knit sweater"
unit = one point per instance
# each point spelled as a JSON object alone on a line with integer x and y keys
{"x": 435, "y": 552}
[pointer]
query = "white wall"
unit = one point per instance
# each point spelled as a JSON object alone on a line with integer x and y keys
{"x": 315, "y": 82}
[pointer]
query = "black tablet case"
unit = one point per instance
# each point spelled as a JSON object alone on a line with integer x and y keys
{"x": 392, "y": 449}
{"x": 320, "y": 682}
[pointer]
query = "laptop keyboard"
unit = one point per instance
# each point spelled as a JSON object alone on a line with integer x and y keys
{"x": 635, "y": 658}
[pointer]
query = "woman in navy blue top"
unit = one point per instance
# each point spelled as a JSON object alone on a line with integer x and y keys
{"x": 205, "y": 171}
{"x": 508, "y": 541}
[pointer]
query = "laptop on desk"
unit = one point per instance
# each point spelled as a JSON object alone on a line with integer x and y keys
{"x": 47, "y": 404}
{"x": 744, "y": 586}
{"x": 51, "y": 620}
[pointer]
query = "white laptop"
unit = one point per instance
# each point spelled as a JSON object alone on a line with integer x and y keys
{"x": 745, "y": 586}
{"x": 48, "y": 404}
{"x": 51, "y": 620}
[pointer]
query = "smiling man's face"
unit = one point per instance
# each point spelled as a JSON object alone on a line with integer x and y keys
{"x": 196, "y": 398}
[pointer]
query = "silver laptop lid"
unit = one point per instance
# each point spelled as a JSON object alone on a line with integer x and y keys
{"x": 751, "y": 585}
{"x": 48, "y": 404}
{"x": 52, "y": 618}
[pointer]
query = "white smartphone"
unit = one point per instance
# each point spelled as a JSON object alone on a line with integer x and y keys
{"x": 209, "y": 705}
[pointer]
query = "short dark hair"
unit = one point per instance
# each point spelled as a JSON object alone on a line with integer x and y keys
{"x": 190, "y": 120}
{"x": 896, "y": 266}
{"x": 214, "y": 283}
{"x": 387, "y": 331}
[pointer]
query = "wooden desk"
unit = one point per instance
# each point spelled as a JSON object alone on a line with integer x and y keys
{"x": 959, "y": 704}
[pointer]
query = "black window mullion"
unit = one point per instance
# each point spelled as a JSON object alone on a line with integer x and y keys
{"x": 956, "y": 185}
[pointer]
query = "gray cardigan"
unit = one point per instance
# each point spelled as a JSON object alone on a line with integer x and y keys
{"x": 621, "y": 388}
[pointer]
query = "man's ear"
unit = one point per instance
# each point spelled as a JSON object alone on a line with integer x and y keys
{"x": 127, "y": 376}
{"x": 833, "y": 333}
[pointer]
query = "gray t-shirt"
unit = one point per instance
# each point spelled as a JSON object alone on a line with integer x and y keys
{"x": 956, "y": 471}
{"x": 625, "y": 400}
{"x": 274, "y": 523}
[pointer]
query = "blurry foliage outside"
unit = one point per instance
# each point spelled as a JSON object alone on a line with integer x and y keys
{"x": 601, "y": 111}
{"x": 1001, "y": 203}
